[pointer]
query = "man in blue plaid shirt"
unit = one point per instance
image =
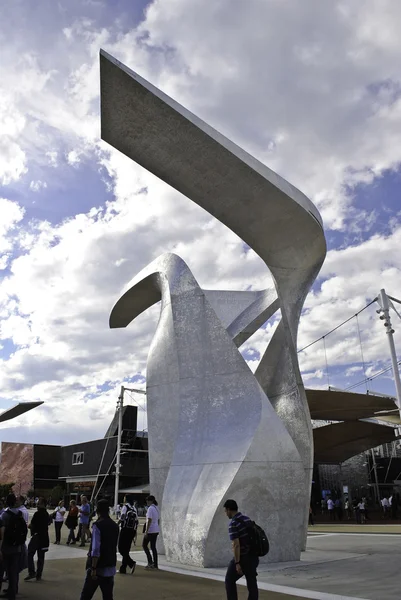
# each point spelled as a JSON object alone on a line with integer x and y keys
{"x": 244, "y": 562}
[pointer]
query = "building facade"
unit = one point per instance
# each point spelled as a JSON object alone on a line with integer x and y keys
{"x": 30, "y": 467}
{"x": 89, "y": 467}
{"x": 84, "y": 468}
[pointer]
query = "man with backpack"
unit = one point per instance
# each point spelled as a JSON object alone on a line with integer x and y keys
{"x": 129, "y": 525}
{"x": 243, "y": 535}
{"x": 13, "y": 532}
{"x": 39, "y": 542}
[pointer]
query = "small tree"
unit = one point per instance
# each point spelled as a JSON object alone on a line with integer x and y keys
{"x": 57, "y": 494}
{"x": 5, "y": 489}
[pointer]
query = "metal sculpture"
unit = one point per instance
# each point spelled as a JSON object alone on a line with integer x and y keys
{"x": 215, "y": 429}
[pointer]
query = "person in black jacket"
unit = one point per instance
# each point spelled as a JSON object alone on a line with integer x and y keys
{"x": 13, "y": 531}
{"x": 72, "y": 522}
{"x": 129, "y": 525}
{"x": 102, "y": 556}
{"x": 39, "y": 542}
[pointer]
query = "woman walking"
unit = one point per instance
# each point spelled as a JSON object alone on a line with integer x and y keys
{"x": 58, "y": 516}
{"x": 151, "y": 532}
{"x": 72, "y": 522}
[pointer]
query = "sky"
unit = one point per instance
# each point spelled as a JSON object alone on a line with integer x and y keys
{"x": 311, "y": 88}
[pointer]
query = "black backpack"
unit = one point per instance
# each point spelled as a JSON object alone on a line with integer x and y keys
{"x": 16, "y": 530}
{"x": 258, "y": 542}
{"x": 130, "y": 519}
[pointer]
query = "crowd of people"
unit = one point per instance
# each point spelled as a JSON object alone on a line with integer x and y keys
{"x": 18, "y": 550}
{"x": 105, "y": 536}
{"x": 359, "y": 509}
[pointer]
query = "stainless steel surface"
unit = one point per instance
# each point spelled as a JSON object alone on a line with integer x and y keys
{"x": 215, "y": 429}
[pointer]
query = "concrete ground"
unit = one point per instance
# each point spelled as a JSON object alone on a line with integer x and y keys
{"x": 360, "y": 565}
{"x": 353, "y": 528}
{"x": 338, "y": 565}
{"x": 64, "y": 575}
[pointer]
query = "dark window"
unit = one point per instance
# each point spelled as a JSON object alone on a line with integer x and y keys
{"x": 78, "y": 458}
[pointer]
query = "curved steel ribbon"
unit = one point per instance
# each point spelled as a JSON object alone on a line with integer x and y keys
{"x": 279, "y": 223}
{"x": 212, "y": 431}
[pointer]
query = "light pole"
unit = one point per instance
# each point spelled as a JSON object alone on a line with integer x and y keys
{"x": 120, "y": 405}
{"x": 384, "y": 311}
{"x": 376, "y": 486}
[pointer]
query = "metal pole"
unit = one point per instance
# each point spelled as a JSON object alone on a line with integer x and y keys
{"x": 376, "y": 487}
{"x": 385, "y": 309}
{"x": 118, "y": 455}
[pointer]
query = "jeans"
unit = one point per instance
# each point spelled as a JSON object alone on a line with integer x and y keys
{"x": 33, "y": 548}
{"x": 57, "y": 527}
{"x": 10, "y": 565}
{"x": 124, "y": 547}
{"x": 71, "y": 536}
{"x": 150, "y": 538}
{"x": 106, "y": 585}
{"x": 249, "y": 565}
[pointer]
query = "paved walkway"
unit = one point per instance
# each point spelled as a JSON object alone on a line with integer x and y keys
{"x": 64, "y": 574}
{"x": 336, "y": 566}
{"x": 353, "y": 528}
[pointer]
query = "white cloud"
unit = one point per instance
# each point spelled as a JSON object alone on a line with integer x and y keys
{"x": 11, "y": 215}
{"x": 53, "y": 158}
{"x": 73, "y": 158}
{"x": 301, "y": 87}
{"x": 37, "y": 185}
{"x": 311, "y": 90}
{"x": 13, "y": 161}
{"x": 353, "y": 277}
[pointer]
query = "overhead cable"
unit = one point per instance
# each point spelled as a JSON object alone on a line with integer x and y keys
{"x": 338, "y": 326}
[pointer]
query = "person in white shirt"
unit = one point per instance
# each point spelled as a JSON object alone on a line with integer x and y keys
{"x": 361, "y": 506}
{"x": 385, "y": 505}
{"x": 58, "y": 516}
{"x": 151, "y": 532}
{"x": 330, "y": 507}
{"x": 21, "y": 505}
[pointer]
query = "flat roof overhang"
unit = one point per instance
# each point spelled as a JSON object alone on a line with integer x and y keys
{"x": 18, "y": 410}
{"x": 337, "y": 405}
{"x": 338, "y": 442}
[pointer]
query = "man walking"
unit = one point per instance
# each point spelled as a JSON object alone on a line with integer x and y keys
{"x": 84, "y": 513}
{"x": 39, "y": 543}
{"x": 129, "y": 524}
{"x": 243, "y": 563}
{"x": 330, "y": 507}
{"x": 13, "y": 532}
{"x": 385, "y": 506}
{"x": 102, "y": 557}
